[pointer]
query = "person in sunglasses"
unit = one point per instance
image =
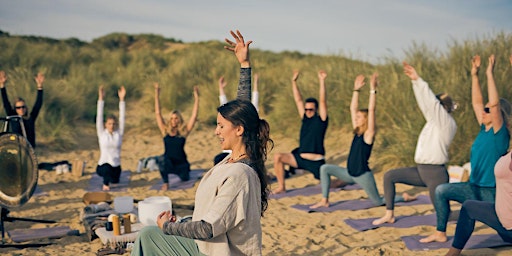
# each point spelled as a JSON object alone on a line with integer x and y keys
{"x": 310, "y": 153}
{"x": 431, "y": 154}
{"x": 20, "y": 108}
{"x": 490, "y": 144}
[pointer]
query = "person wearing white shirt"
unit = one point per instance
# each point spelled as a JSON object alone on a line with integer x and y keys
{"x": 431, "y": 149}
{"x": 110, "y": 138}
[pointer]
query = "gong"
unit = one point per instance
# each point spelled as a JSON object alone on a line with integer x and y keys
{"x": 18, "y": 170}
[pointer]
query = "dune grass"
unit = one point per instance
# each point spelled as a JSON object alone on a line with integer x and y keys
{"x": 75, "y": 69}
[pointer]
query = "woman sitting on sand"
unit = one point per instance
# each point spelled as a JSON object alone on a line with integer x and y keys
{"x": 232, "y": 196}
{"x": 490, "y": 144}
{"x": 357, "y": 171}
{"x": 431, "y": 149}
{"x": 110, "y": 138}
{"x": 174, "y": 132}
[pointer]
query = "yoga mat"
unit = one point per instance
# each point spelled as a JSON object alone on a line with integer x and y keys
{"x": 358, "y": 204}
{"x": 175, "y": 182}
{"x": 39, "y": 192}
{"x": 96, "y": 182}
{"x": 22, "y": 235}
{"x": 400, "y": 222}
{"x": 311, "y": 190}
{"x": 474, "y": 242}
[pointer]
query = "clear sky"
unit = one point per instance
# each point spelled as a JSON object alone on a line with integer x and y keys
{"x": 364, "y": 29}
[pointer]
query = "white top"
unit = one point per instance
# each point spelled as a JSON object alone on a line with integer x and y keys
{"x": 110, "y": 143}
{"x": 229, "y": 198}
{"x": 437, "y": 134}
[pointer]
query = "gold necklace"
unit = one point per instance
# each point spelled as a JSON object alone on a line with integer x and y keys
{"x": 231, "y": 159}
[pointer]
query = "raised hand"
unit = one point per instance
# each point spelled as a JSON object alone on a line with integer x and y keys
{"x": 410, "y": 71}
{"x": 101, "y": 93}
{"x": 490, "y": 66}
{"x": 157, "y": 87}
{"x": 121, "y": 93}
{"x": 296, "y": 74}
{"x": 359, "y": 82}
{"x": 322, "y": 74}
{"x": 374, "y": 81}
{"x": 39, "y": 80}
{"x": 240, "y": 48}
{"x": 475, "y": 64}
{"x": 196, "y": 92}
{"x": 3, "y": 79}
{"x": 222, "y": 83}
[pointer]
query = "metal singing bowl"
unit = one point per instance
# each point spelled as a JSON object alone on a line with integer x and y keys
{"x": 18, "y": 170}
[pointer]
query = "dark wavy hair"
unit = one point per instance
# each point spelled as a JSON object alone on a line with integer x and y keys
{"x": 256, "y": 138}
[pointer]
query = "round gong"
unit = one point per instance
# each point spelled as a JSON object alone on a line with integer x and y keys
{"x": 18, "y": 170}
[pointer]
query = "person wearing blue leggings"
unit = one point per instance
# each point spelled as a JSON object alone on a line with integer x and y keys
{"x": 357, "y": 171}
{"x": 490, "y": 144}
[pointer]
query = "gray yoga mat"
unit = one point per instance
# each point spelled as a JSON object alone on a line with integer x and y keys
{"x": 23, "y": 235}
{"x": 358, "y": 204}
{"x": 474, "y": 242}
{"x": 311, "y": 190}
{"x": 96, "y": 182}
{"x": 175, "y": 182}
{"x": 400, "y": 222}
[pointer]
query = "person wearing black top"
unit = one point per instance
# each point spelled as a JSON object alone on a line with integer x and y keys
{"x": 20, "y": 108}
{"x": 310, "y": 154}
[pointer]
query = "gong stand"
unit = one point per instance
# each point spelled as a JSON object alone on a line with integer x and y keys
{"x": 25, "y": 150}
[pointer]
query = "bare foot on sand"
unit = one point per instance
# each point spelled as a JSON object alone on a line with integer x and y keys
{"x": 105, "y": 188}
{"x": 164, "y": 187}
{"x": 408, "y": 197}
{"x": 337, "y": 183}
{"x": 278, "y": 191}
{"x": 388, "y": 218}
{"x": 319, "y": 205}
{"x": 438, "y": 236}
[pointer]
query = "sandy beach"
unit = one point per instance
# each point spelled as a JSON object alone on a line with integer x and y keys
{"x": 286, "y": 231}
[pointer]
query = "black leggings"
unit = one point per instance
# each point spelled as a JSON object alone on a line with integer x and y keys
{"x": 110, "y": 174}
{"x": 423, "y": 175}
{"x": 166, "y": 166}
{"x": 472, "y": 211}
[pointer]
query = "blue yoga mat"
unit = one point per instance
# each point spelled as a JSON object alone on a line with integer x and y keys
{"x": 358, "y": 204}
{"x": 474, "y": 242}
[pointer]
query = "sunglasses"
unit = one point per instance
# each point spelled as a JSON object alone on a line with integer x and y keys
{"x": 487, "y": 110}
{"x": 20, "y": 107}
{"x": 309, "y": 109}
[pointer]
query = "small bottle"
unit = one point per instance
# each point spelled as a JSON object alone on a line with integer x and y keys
{"x": 116, "y": 225}
{"x": 127, "y": 223}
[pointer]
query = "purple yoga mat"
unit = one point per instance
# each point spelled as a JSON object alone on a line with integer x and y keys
{"x": 175, "y": 182}
{"x": 311, "y": 190}
{"x": 474, "y": 242}
{"x": 96, "y": 182}
{"x": 39, "y": 192}
{"x": 400, "y": 222}
{"x": 358, "y": 204}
